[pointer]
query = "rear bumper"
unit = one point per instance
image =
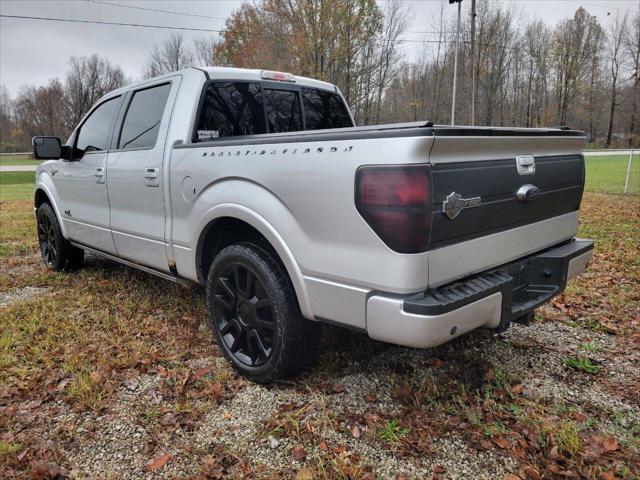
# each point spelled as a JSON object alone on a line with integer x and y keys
{"x": 490, "y": 299}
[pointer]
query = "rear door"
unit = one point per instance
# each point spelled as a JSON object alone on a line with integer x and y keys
{"x": 135, "y": 174}
{"x": 81, "y": 183}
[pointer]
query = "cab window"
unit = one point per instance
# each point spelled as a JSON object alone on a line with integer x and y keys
{"x": 324, "y": 109}
{"x": 231, "y": 109}
{"x": 142, "y": 121}
{"x": 95, "y": 132}
{"x": 283, "y": 110}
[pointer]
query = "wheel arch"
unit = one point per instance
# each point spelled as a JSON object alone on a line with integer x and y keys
{"x": 44, "y": 193}
{"x": 230, "y": 223}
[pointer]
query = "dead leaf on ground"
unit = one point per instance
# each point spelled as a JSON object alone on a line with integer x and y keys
{"x": 304, "y": 474}
{"x": 157, "y": 463}
{"x": 298, "y": 453}
{"x": 610, "y": 444}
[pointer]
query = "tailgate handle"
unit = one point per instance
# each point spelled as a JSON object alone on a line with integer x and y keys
{"x": 526, "y": 164}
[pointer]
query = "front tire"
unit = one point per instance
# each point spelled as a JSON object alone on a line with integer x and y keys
{"x": 57, "y": 253}
{"x": 255, "y": 316}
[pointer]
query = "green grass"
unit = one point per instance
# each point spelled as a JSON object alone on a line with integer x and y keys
{"x": 19, "y": 191}
{"x": 583, "y": 364}
{"x": 13, "y": 178}
{"x": 606, "y": 173}
{"x": 18, "y": 160}
{"x": 392, "y": 432}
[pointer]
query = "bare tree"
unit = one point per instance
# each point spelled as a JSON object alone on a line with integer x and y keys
{"x": 614, "y": 44}
{"x": 40, "y": 111}
{"x": 171, "y": 55}
{"x": 632, "y": 48}
{"x": 204, "y": 51}
{"x": 88, "y": 79}
{"x": 573, "y": 44}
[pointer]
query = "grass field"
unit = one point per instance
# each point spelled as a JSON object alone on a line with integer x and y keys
{"x": 17, "y": 160}
{"x": 606, "y": 173}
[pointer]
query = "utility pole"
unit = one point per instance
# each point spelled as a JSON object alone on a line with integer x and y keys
{"x": 473, "y": 62}
{"x": 455, "y": 63}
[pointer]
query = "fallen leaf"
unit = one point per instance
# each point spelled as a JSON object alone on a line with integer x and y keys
{"x": 323, "y": 446}
{"x": 486, "y": 444}
{"x": 579, "y": 417}
{"x": 168, "y": 419}
{"x": 517, "y": 389}
{"x": 531, "y": 473}
{"x": 201, "y": 372}
{"x": 439, "y": 469}
{"x": 355, "y": 431}
{"x": 298, "y": 453}
{"x": 304, "y": 474}
{"x": 610, "y": 444}
{"x": 338, "y": 388}
{"x": 501, "y": 442}
{"x": 157, "y": 463}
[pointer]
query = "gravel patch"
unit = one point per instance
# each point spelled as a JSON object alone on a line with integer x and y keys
{"x": 17, "y": 295}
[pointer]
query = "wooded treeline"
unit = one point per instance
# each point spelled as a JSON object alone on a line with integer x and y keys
{"x": 576, "y": 73}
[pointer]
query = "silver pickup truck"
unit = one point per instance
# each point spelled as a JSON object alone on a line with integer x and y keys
{"x": 258, "y": 185}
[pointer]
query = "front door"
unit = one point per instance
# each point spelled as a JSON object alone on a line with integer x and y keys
{"x": 81, "y": 182}
{"x": 135, "y": 171}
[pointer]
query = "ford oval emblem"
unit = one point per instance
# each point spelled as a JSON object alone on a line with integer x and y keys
{"x": 527, "y": 193}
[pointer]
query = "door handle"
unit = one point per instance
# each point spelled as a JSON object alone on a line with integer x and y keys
{"x": 99, "y": 174}
{"x": 151, "y": 176}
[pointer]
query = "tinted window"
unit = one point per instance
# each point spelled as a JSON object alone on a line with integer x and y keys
{"x": 324, "y": 110}
{"x": 95, "y": 132}
{"x": 283, "y": 111}
{"x": 142, "y": 121}
{"x": 231, "y": 109}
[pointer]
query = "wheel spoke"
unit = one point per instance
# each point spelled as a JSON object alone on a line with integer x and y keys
{"x": 238, "y": 341}
{"x": 250, "y": 283}
{"x": 264, "y": 351}
{"x": 237, "y": 281}
{"x": 224, "y": 283}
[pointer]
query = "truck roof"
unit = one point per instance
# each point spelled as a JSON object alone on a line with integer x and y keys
{"x": 228, "y": 73}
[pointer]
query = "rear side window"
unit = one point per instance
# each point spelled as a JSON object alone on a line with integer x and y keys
{"x": 95, "y": 132}
{"x": 142, "y": 121}
{"x": 324, "y": 109}
{"x": 283, "y": 110}
{"x": 231, "y": 109}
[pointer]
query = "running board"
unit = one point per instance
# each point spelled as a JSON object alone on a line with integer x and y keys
{"x": 152, "y": 271}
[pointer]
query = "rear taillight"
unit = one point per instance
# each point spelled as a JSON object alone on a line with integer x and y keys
{"x": 396, "y": 203}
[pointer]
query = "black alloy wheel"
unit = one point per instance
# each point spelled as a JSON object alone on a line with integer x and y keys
{"x": 255, "y": 316}
{"x": 245, "y": 318}
{"x": 47, "y": 239}
{"x": 57, "y": 253}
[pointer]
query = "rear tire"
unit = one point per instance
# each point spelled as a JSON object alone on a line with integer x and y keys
{"x": 255, "y": 316}
{"x": 57, "y": 253}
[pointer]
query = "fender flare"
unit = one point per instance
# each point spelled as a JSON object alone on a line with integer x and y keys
{"x": 258, "y": 222}
{"x": 41, "y": 185}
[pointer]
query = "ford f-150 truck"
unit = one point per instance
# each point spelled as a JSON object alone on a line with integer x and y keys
{"x": 257, "y": 185}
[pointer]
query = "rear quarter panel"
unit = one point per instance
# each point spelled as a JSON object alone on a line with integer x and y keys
{"x": 305, "y": 193}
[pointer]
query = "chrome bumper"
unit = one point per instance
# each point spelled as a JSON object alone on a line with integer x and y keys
{"x": 492, "y": 299}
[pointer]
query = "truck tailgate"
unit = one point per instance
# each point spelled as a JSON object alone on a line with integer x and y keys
{"x": 493, "y": 226}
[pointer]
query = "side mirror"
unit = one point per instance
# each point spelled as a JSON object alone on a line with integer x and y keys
{"x": 46, "y": 148}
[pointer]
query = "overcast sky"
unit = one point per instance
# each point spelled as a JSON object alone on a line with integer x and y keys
{"x": 33, "y": 51}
